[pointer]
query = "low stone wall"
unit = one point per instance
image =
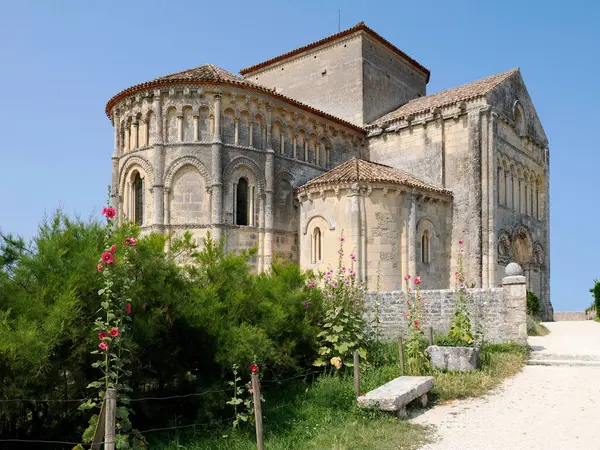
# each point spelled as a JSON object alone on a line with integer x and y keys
{"x": 500, "y": 312}
{"x": 570, "y": 316}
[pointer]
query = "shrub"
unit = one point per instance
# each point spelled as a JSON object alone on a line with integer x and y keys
{"x": 533, "y": 305}
{"x": 596, "y": 294}
{"x": 191, "y": 322}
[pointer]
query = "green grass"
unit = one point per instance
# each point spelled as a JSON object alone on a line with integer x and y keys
{"x": 323, "y": 414}
{"x": 497, "y": 362}
{"x": 535, "y": 328}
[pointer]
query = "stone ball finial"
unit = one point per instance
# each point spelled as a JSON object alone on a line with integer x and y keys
{"x": 513, "y": 270}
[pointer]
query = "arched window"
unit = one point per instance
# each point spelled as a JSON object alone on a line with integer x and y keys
{"x": 241, "y": 205}
{"x": 519, "y": 119}
{"x": 317, "y": 245}
{"x": 425, "y": 253}
{"x": 138, "y": 199}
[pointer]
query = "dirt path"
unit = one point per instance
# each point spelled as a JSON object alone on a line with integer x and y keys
{"x": 542, "y": 407}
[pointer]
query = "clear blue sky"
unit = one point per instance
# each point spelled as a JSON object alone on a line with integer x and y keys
{"x": 61, "y": 61}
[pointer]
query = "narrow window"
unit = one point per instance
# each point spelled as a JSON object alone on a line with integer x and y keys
{"x": 318, "y": 248}
{"x": 241, "y": 206}
{"x": 138, "y": 199}
{"x": 425, "y": 247}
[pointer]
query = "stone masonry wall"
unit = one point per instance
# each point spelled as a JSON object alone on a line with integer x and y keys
{"x": 499, "y": 311}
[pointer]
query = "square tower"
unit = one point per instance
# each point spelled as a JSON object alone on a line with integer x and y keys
{"x": 355, "y": 75}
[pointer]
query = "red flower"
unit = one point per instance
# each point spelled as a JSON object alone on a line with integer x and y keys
{"x": 417, "y": 323}
{"x": 417, "y": 281}
{"x": 102, "y": 335}
{"x": 109, "y": 212}
{"x": 100, "y": 267}
{"x": 107, "y": 257}
{"x": 133, "y": 242}
{"x": 406, "y": 277}
{"x": 461, "y": 242}
{"x": 114, "y": 332}
{"x": 128, "y": 308}
{"x": 254, "y": 368}
{"x": 408, "y": 302}
{"x": 500, "y": 285}
{"x": 103, "y": 346}
{"x": 113, "y": 249}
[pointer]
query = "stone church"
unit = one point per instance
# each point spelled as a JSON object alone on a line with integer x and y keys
{"x": 340, "y": 137}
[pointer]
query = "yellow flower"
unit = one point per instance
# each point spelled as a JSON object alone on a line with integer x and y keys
{"x": 336, "y": 361}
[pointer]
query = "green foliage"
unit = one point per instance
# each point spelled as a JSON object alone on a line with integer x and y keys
{"x": 196, "y": 311}
{"x": 533, "y": 305}
{"x": 535, "y": 328}
{"x": 343, "y": 323}
{"x": 460, "y": 325}
{"x": 595, "y": 291}
{"x": 417, "y": 361}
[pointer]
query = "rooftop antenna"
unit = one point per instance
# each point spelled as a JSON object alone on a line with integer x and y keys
{"x": 339, "y": 20}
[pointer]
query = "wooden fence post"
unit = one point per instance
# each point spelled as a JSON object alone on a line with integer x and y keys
{"x": 260, "y": 445}
{"x": 401, "y": 353}
{"x": 430, "y": 335}
{"x": 110, "y": 419}
{"x": 356, "y": 374}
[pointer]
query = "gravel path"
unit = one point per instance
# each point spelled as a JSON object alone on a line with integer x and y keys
{"x": 540, "y": 408}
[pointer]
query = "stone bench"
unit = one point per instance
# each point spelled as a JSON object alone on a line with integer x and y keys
{"x": 396, "y": 394}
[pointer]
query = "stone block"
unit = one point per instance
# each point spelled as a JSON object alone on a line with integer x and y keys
{"x": 461, "y": 359}
{"x": 396, "y": 394}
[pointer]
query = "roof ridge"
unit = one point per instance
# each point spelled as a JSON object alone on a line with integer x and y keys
{"x": 340, "y": 34}
{"x": 466, "y": 91}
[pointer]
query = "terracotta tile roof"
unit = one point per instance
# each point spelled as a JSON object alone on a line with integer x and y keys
{"x": 209, "y": 74}
{"x": 467, "y": 91}
{"x": 333, "y": 37}
{"x": 357, "y": 169}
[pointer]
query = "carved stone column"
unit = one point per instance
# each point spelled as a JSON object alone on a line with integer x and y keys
{"x": 114, "y": 190}
{"x": 411, "y": 234}
{"x": 269, "y": 210}
{"x": 135, "y": 134}
{"x": 217, "y": 170}
{"x": 295, "y": 151}
{"x": 180, "y": 127}
{"x": 196, "y": 127}
{"x": 236, "y": 131}
{"x": 355, "y": 227}
{"x": 158, "y": 161}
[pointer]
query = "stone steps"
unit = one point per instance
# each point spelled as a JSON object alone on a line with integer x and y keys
{"x": 563, "y": 362}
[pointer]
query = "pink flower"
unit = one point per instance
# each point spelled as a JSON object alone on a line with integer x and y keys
{"x": 342, "y": 239}
{"x": 109, "y": 212}
{"x": 329, "y": 294}
{"x": 417, "y": 323}
{"x": 417, "y": 281}
{"x": 107, "y": 257}
{"x": 360, "y": 287}
{"x": 113, "y": 249}
{"x": 409, "y": 290}
{"x": 461, "y": 242}
{"x": 103, "y": 346}
{"x": 408, "y": 302}
{"x": 133, "y": 242}
{"x": 100, "y": 267}
{"x": 114, "y": 332}
{"x": 102, "y": 335}
{"x": 404, "y": 313}
{"x": 353, "y": 256}
{"x": 311, "y": 284}
{"x": 337, "y": 311}
{"x": 334, "y": 284}
{"x": 306, "y": 304}
{"x": 456, "y": 274}
{"x": 254, "y": 368}
{"x": 352, "y": 273}
{"x": 462, "y": 250}
{"x": 406, "y": 277}
{"x": 128, "y": 308}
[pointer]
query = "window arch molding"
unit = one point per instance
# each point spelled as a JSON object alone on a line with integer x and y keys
{"x": 519, "y": 118}
{"x": 427, "y": 237}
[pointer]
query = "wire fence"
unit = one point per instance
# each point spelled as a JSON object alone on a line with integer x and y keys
{"x": 213, "y": 423}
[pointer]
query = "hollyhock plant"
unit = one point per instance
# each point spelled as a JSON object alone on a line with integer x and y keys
{"x": 343, "y": 322}
{"x": 416, "y": 359}
{"x": 107, "y": 257}
{"x": 254, "y": 368}
{"x": 110, "y": 326}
